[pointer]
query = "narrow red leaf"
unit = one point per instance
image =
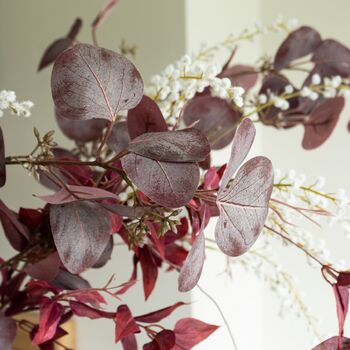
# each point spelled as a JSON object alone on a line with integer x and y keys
{"x": 83, "y": 310}
{"x": 149, "y": 271}
{"x": 156, "y": 316}
{"x": 125, "y": 323}
{"x": 164, "y": 340}
{"x": 50, "y": 316}
{"x": 190, "y": 332}
{"x": 129, "y": 342}
{"x": 342, "y": 303}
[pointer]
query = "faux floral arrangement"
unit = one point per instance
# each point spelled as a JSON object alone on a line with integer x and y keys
{"x": 141, "y": 173}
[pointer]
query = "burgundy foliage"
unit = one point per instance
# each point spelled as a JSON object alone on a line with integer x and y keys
{"x": 332, "y": 344}
{"x": 145, "y": 117}
{"x": 215, "y": 117}
{"x": 81, "y": 131}
{"x": 126, "y": 173}
{"x": 188, "y": 145}
{"x": 299, "y": 43}
{"x": 90, "y": 82}
{"x": 166, "y": 183}
{"x": 322, "y": 122}
{"x": 89, "y": 226}
{"x": 243, "y": 203}
{"x": 241, "y": 75}
{"x": 60, "y": 45}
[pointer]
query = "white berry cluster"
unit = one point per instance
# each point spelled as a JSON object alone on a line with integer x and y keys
{"x": 8, "y": 100}
{"x": 181, "y": 81}
{"x": 321, "y": 207}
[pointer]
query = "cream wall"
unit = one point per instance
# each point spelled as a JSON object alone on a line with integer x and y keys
{"x": 163, "y": 30}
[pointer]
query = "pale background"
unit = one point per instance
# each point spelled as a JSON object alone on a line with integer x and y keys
{"x": 163, "y": 30}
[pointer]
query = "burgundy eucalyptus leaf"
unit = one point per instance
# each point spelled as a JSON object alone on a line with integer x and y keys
{"x": 2, "y": 160}
{"x": 164, "y": 340}
{"x": 190, "y": 332}
{"x": 169, "y": 184}
{"x": 333, "y": 54}
{"x": 80, "y": 130}
{"x": 78, "y": 193}
{"x": 104, "y": 13}
{"x": 90, "y": 82}
{"x": 156, "y": 316}
{"x": 321, "y": 123}
{"x": 145, "y": 117}
{"x": 8, "y": 331}
{"x": 46, "y": 269}
{"x": 244, "y": 207}
{"x": 241, "y": 145}
{"x": 125, "y": 323}
{"x": 149, "y": 271}
{"x": 215, "y": 117}
{"x": 299, "y": 43}
{"x": 191, "y": 270}
{"x": 82, "y": 310}
{"x": 241, "y": 75}
{"x": 16, "y": 233}
{"x": 119, "y": 138}
{"x": 188, "y": 145}
{"x": 75, "y": 29}
{"x": 81, "y": 231}
{"x": 68, "y": 281}
{"x": 106, "y": 254}
{"x": 50, "y": 316}
{"x": 129, "y": 342}
{"x": 275, "y": 83}
{"x": 332, "y": 344}
{"x": 341, "y": 294}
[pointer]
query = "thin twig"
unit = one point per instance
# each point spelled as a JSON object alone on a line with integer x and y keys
{"x": 221, "y": 313}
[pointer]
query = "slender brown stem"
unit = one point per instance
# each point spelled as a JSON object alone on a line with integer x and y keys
{"x": 310, "y": 255}
{"x": 105, "y": 138}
